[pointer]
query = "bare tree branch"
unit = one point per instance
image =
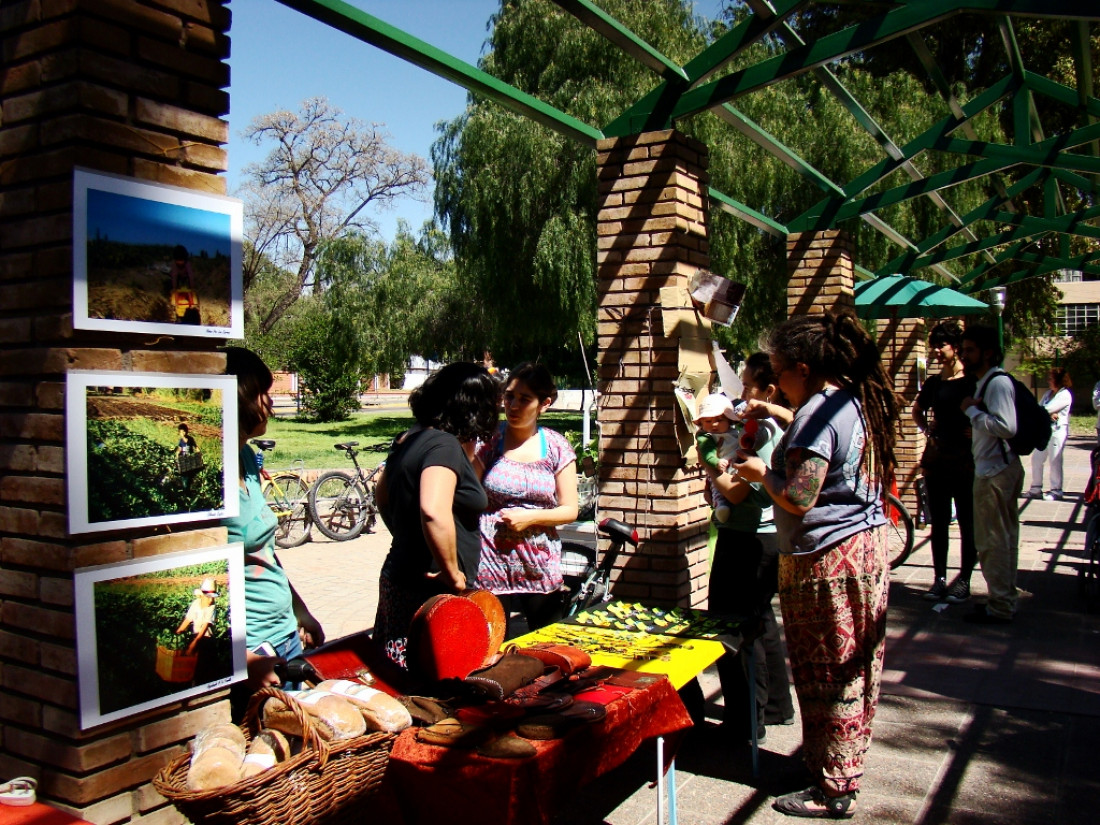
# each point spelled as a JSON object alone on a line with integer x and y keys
{"x": 322, "y": 174}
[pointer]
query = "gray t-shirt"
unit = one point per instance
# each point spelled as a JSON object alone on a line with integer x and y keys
{"x": 829, "y": 425}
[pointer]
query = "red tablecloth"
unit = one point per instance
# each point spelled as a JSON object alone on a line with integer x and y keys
{"x": 36, "y": 814}
{"x": 431, "y": 784}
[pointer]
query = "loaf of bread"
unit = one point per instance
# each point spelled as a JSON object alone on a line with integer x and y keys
{"x": 216, "y": 757}
{"x": 267, "y": 749}
{"x": 380, "y": 710}
{"x": 333, "y": 716}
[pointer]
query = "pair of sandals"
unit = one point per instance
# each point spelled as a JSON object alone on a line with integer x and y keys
{"x": 19, "y": 792}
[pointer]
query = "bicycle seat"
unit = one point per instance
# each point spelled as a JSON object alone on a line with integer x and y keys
{"x": 347, "y": 445}
{"x": 619, "y": 532}
{"x": 263, "y": 443}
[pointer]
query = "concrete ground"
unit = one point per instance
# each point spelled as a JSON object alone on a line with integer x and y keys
{"x": 976, "y": 724}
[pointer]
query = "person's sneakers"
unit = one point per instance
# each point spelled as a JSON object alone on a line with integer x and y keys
{"x": 958, "y": 592}
{"x": 937, "y": 592}
{"x": 1052, "y": 496}
{"x": 1033, "y": 494}
{"x": 981, "y": 615}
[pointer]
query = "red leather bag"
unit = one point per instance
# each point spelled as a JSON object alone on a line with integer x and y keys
{"x": 448, "y": 638}
{"x": 566, "y": 658}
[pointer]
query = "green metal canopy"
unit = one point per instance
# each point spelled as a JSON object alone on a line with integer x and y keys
{"x": 899, "y": 296}
{"x": 1042, "y": 181}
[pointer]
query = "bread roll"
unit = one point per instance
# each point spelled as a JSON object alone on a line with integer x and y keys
{"x": 213, "y": 768}
{"x": 267, "y": 749}
{"x": 333, "y": 716}
{"x": 220, "y": 735}
{"x": 380, "y": 710}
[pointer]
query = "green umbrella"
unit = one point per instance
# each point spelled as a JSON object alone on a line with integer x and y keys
{"x": 899, "y": 296}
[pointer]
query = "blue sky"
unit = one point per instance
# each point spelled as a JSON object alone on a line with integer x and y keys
{"x": 280, "y": 57}
{"x": 140, "y": 221}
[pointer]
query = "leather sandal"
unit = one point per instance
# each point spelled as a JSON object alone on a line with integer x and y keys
{"x": 506, "y": 746}
{"x": 826, "y": 807}
{"x": 19, "y": 792}
{"x": 451, "y": 733}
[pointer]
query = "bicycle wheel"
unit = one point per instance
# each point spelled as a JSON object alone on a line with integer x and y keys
{"x": 371, "y": 484}
{"x": 338, "y": 505}
{"x": 899, "y": 532}
{"x": 288, "y": 497}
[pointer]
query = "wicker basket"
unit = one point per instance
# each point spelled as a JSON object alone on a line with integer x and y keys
{"x": 325, "y": 783}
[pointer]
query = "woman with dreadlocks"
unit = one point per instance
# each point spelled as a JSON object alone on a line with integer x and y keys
{"x": 826, "y": 481}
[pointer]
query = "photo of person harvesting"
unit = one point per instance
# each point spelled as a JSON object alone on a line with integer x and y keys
{"x": 274, "y": 613}
{"x": 430, "y": 498}
{"x": 826, "y": 480}
{"x": 200, "y": 617}
{"x": 530, "y": 477}
{"x": 948, "y": 462}
{"x": 745, "y": 569}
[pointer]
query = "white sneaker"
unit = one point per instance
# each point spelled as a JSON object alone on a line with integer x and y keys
{"x": 1052, "y": 496}
{"x": 19, "y": 792}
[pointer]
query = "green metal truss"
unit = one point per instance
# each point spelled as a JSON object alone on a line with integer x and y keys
{"x": 995, "y": 234}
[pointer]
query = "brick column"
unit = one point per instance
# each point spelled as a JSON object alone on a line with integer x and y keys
{"x": 652, "y": 234}
{"x": 903, "y": 342}
{"x": 132, "y": 88}
{"x": 821, "y": 272}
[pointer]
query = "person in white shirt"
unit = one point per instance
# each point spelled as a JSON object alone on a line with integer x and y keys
{"x": 1096, "y": 406}
{"x": 1056, "y": 401}
{"x": 998, "y": 474}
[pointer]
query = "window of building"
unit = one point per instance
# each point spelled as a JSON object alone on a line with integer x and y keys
{"x": 1075, "y": 318}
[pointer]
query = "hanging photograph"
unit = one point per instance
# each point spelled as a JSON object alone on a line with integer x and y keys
{"x": 155, "y": 259}
{"x": 149, "y": 448}
{"x": 154, "y": 631}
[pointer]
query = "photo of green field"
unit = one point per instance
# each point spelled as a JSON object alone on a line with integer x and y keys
{"x": 134, "y": 467}
{"x": 140, "y": 656}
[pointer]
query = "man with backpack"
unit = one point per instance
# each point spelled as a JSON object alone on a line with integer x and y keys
{"x": 998, "y": 473}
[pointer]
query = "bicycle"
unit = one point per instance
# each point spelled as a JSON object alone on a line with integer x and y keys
{"x": 287, "y": 494}
{"x": 900, "y": 531}
{"x": 342, "y": 504}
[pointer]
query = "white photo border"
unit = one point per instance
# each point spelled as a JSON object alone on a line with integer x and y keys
{"x": 84, "y": 581}
{"x": 86, "y": 179}
{"x": 76, "y": 444}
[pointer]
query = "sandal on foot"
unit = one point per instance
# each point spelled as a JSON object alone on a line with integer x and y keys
{"x": 18, "y": 792}
{"x": 813, "y": 803}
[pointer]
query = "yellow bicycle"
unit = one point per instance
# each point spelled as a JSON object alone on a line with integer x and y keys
{"x": 287, "y": 494}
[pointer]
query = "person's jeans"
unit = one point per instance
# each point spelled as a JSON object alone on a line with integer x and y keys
{"x": 998, "y": 541}
{"x": 241, "y": 692}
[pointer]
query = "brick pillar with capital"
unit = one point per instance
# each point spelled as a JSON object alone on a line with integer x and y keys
{"x": 652, "y": 235}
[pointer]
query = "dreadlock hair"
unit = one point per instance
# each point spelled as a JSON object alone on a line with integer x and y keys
{"x": 835, "y": 346}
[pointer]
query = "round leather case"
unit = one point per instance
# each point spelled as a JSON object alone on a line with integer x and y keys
{"x": 448, "y": 638}
{"x": 495, "y": 617}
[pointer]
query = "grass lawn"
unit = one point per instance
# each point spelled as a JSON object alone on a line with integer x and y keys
{"x": 313, "y": 443}
{"x": 1082, "y": 424}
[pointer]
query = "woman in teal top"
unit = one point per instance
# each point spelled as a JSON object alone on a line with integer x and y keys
{"x": 274, "y": 614}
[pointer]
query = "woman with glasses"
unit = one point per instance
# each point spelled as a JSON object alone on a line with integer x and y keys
{"x": 826, "y": 480}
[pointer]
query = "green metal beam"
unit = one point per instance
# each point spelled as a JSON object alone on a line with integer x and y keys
{"x": 1062, "y": 93}
{"x": 1050, "y": 152}
{"x": 904, "y": 263}
{"x": 653, "y": 111}
{"x": 369, "y": 29}
{"x": 747, "y": 214}
{"x": 1043, "y": 264}
{"x": 633, "y": 46}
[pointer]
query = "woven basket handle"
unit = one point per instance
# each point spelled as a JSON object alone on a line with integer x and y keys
{"x": 309, "y": 730}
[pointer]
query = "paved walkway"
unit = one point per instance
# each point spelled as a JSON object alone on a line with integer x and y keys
{"x": 976, "y": 724}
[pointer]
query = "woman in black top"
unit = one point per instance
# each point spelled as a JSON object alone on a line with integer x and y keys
{"x": 947, "y": 463}
{"x": 430, "y": 498}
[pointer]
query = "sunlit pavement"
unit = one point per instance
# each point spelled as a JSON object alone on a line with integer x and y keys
{"x": 976, "y": 724}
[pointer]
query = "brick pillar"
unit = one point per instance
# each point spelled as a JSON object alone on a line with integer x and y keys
{"x": 821, "y": 272}
{"x": 903, "y": 342}
{"x": 137, "y": 89}
{"x": 652, "y": 234}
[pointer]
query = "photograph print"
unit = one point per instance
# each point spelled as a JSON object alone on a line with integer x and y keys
{"x": 147, "y": 449}
{"x": 157, "y": 259}
{"x": 154, "y": 631}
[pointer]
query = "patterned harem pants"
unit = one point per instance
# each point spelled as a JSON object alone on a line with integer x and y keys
{"x": 834, "y": 617}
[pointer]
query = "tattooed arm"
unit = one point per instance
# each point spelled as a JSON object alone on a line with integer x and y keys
{"x": 805, "y": 477}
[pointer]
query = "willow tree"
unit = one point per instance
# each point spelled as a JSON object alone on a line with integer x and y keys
{"x": 520, "y": 200}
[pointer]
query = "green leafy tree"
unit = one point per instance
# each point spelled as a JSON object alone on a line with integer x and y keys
{"x": 520, "y": 201}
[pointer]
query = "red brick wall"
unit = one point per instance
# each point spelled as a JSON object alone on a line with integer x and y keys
{"x": 651, "y": 234}
{"x": 132, "y": 87}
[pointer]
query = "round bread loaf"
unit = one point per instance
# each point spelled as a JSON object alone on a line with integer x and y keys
{"x": 380, "y": 710}
{"x": 213, "y": 768}
{"x": 334, "y": 717}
